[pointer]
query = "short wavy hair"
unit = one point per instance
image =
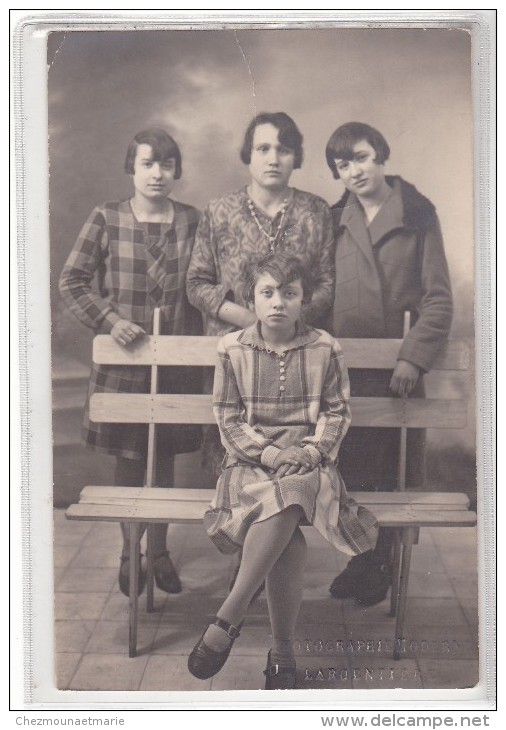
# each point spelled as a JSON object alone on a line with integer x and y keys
{"x": 163, "y": 145}
{"x": 288, "y": 134}
{"x": 344, "y": 138}
{"x": 283, "y": 267}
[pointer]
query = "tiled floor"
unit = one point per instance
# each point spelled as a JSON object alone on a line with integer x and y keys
{"x": 338, "y": 644}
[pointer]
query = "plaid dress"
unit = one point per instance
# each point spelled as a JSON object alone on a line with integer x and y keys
{"x": 264, "y": 402}
{"x": 121, "y": 265}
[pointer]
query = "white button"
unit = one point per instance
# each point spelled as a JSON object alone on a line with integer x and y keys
{"x": 281, "y": 387}
{"x": 281, "y": 362}
{"x": 282, "y": 377}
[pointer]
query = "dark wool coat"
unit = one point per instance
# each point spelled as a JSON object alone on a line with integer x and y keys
{"x": 396, "y": 264}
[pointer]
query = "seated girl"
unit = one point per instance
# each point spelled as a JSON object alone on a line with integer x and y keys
{"x": 281, "y": 402}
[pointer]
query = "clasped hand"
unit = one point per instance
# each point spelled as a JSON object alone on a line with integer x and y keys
{"x": 292, "y": 460}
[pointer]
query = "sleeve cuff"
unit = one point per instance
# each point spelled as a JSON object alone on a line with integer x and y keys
{"x": 269, "y": 455}
{"x": 108, "y": 320}
{"x": 315, "y": 455}
{"x": 209, "y": 299}
{"x": 418, "y": 355}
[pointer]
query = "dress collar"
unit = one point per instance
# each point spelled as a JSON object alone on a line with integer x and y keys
{"x": 252, "y": 336}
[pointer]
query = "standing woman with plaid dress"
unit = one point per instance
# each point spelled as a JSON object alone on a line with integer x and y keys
{"x": 137, "y": 252}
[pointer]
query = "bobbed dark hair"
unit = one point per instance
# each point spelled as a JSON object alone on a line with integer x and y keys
{"x": 283, "y": 267}
{"x": 163, "y": 145}
{"x": 344, "y": 138}
{"x": 288, "y": 134}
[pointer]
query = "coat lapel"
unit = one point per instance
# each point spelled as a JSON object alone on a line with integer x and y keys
{"x": 353, "y": 219}
{"x": 389, "y": 216}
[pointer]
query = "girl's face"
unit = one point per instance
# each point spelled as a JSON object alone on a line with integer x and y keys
{"x": 278, "y": 306}
{"x": 271, "y": 162}
{"x": 153, "y": 179}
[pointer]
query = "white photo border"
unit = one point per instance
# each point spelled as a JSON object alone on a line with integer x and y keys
{"x": 34, "y": 509}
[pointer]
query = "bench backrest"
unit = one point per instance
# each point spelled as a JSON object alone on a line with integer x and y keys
{"x": 164, "y": 350}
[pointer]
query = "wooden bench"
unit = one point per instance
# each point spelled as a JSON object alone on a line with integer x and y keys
{"x": 406, "y": 511}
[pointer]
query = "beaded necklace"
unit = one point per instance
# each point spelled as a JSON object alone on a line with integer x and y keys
{"x": 271, "y": 236}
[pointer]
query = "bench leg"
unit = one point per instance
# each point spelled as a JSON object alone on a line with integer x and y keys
{"x": 409, "y": 538}
{"x": 150, "y": 576}
{"x": 396, "y": 571}
{"x": 135, "y": 538}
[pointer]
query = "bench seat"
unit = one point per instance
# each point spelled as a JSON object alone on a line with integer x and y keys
{"x": 151, "y": 504}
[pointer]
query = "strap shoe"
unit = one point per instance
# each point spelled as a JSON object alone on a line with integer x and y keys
{"x": 204, "y": 662}
{"x": 280, "y": 676}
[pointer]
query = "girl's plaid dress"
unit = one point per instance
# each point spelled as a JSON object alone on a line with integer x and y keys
{"x": 264, "y": 402}
{"x": 121, "y": 265}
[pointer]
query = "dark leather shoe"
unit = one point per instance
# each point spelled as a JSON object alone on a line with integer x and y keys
{"x": 124, "y": 576}
{"x": 280, "y": 676}
{"x": 375, "y": 586}
{"x": 365, "y": 578}
{"x": 348, "y": 582}
{"x": 166, "y": 577}
{"x": 204, "y": 662}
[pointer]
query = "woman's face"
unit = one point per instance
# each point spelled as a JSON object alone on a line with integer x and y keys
{"x": 153, "y": 179}
{"x": 271, "y": 162}
{"x": 362, "y": 175}
{"x": 278, "y": 306}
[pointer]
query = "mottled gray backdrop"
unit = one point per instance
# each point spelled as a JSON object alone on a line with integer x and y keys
{"x": 204, "y": 87}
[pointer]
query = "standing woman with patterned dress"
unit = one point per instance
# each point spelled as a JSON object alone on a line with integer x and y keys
{"x": 264, "y": 216}
{"x": 138, "y": 250}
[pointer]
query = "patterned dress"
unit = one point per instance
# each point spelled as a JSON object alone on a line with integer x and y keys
{"x": 264, "y": 402}
{"x": 228, "y": 237}
{"x": 137, "y": 267}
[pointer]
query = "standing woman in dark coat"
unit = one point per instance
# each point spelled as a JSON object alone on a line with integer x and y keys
{"x": 389, "y": 259}
{"x": 139, "y": 249}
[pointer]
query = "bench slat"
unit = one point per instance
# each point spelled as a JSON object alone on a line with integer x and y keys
{"x": 412, "y": 413}
{"x": 183, "y": 495}
{"x": 395, "y": 516}
{"x": 193, "y": 512}
{"x": 201, "y": 351}
{"x": 122, "y": 495}
{"x": 434, "y": 500}
{"x": 378, "y": 412}
{"x": 122, "y": 501}
{"x": 140, "y": 511}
